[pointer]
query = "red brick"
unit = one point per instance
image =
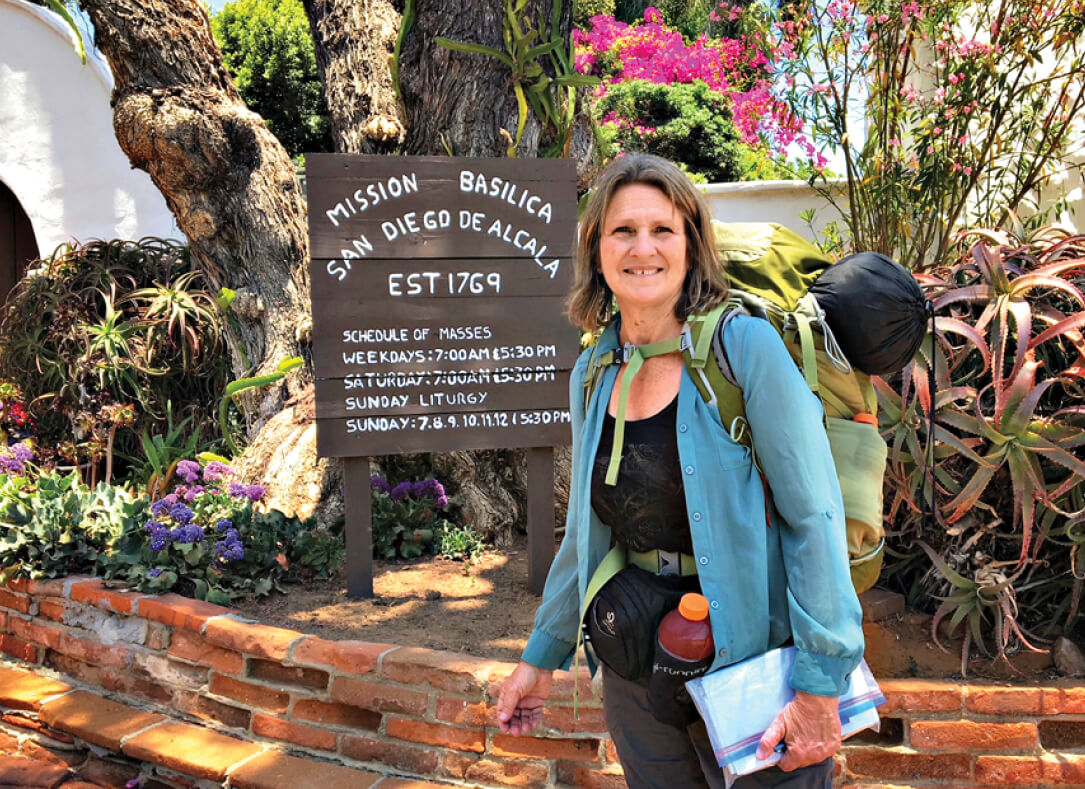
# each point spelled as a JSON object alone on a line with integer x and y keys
{"x": 1064, "y": 700}
{"x": 96, "y": 593}
{"x": 1009, "y": 769}
{"x": 92, "y": 675}
{"x": 273, "y": 770}
{"x": 894, "y": 763}
{"x": 375, "y": 696}
{"x": 52, "y": 609}
{"x": 278, "y": 729}
{"x": 588, "y": 720}
{"x": 158, "y": 636}
{"x": 101, "y": 772}
{"x": 122, "y": 682}
{"x": 571, "y": 750}
{"x": 466, "y": 712}
{"x": 563, "y": 687}
{"x": 20, "y": 585}
{"x": 972, "y": 735}
{"x": 350, "y": 657}
{"x": 3, "y": 621}
{"x": 336, "y": 714}
{"x": 9, "y": 743}
{"x": 93, "y": 652}
{"x": 611, "y": 751}
{"x": 422, "y": 761}
{"x": 24, "y": 690}
{"x": 299, "y": 677}
{"x": 457, "y": 763}
{"x": 209, "y": 709}
{"x": 587, "y": 778}
{"x": 436, "y": 734}
{"x": 189, "y": 646}
{"x": 919, "y": 695}
{"x": 508, "y": 773}
{"x": 190, "y": 750}
{"x": 63, "y": 756}
{"x": 53, "y": 587}
{"x": 251, "y": 639}
{"x": 17, "y": 648}
{"x": 247, "y": 693}
{"x": 449, "y": 671}
{"x": 24, "y": 721}
{"x": 16, "y": 602}
{"x": 409, "y": 783}
{"x": 18, "y": 771}
{"x": 177, "y": 611}
{"x": 96, "y": 720}
{"x": 1009, "y": 702}
{"x": 29, "y": 630}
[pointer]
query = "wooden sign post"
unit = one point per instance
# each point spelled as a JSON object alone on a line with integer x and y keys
{"x": 438, "y": 287}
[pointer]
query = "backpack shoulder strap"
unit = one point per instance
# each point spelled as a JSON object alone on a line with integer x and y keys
{"x": 716, "y": 387}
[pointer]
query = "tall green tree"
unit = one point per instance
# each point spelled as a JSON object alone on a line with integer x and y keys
{"x": 268, "y": 50}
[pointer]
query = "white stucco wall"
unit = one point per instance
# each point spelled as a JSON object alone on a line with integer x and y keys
{"x": 772, "y": 201}
{"x": 58, "y": 153}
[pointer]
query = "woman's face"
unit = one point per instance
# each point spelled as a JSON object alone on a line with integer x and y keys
{"x": 642, "y": 249}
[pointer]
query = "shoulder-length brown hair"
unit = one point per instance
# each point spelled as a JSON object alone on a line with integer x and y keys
{"x": 590, "y": 301}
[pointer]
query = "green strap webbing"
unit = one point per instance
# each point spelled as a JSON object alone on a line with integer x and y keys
{"x": 634, "y": 362}
{"x": 835, "y": 402}
{"x": 611, "y": 565}
{"x": 699, "y": 353}
{"x": 809, "y": 353}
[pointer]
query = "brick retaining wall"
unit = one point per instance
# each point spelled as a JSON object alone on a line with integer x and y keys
{"x": 421, "y": 712}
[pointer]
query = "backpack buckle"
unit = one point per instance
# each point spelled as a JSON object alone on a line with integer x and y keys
{"x": 670, "y": 563}
{"x": 625, "y": 353}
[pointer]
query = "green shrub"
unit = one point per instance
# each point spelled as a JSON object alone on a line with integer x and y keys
{"x": 688, "y": 123}
{"x": 51, "y": 525}
{"x": 584, "y": 10}
{"x": 407, "y": 517}
{"x": 268, "y": 49}
{"x": 462, "y": 543}
{"x": 103, "y": 341}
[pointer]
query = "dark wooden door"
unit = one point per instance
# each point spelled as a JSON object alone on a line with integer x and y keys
{"x": 17, "y": 244}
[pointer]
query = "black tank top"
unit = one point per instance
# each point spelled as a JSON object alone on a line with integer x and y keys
{"x": 646, "y": 509}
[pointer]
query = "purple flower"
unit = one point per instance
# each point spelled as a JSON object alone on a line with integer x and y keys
{"x": 223, "y": 525}
{"x": 377, "y": 482}
{"x": 434, "y": 490}
{"x": 401, "y": 491}
{"x": 189, "y": 470}
{"x": 229, "y": 548}
{"x": 237, "y": 490}
{"x": 215, "y": 471}
{"x": 441, "y": 502}
{"x": 255, "y": 492}
{"x": 13, "y": 460}
{"x": 22, "y": 452}
{"x": 160, "y": 535}
{"x": 189, "y": 534}
{"x": 181, "y": 513}
{"x": 155, "y": 572}
{"x": 192, "y": 493}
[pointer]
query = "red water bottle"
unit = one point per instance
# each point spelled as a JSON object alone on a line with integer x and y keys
{"x": 685, "y": 633}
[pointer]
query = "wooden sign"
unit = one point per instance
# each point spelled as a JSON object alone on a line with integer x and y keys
{"x": 438, "y": 288}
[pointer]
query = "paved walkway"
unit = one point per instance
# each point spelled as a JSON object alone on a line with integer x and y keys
{"x": 57, "y": 721}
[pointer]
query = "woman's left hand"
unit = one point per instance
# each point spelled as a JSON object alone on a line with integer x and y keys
{"x": 809, "y": 725}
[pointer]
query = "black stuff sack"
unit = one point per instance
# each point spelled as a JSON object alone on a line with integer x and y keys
{"x": 876, "y": 311}
{"x": 621, "y": 622}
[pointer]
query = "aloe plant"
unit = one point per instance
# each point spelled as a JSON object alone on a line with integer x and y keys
{"x": 989, "y": 423}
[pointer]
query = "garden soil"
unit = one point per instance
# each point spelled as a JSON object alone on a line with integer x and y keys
{"x": 484, "y": 609}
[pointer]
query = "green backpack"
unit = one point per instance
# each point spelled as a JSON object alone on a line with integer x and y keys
{"x": 770, "y": 269}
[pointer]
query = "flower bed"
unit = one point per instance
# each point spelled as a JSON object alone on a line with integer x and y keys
{"x": 427, "y": 713}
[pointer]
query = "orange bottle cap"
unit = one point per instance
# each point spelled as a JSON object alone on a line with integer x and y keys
{"x": 867, "y": 419}
{"x": 693, "y": 606}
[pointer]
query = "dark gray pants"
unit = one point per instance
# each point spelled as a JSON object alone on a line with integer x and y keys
{"x": 657, "y": 756}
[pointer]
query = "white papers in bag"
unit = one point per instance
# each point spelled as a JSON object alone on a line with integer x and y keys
{"x": 739, "y": 703}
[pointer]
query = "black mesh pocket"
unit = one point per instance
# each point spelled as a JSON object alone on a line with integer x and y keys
{"x": 667, "y": 692}
{"x": 621, "y": 622}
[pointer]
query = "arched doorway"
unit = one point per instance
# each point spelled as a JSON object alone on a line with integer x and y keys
{"x": 17, "y": 244}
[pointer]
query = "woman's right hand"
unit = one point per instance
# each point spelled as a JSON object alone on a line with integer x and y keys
{"x": 520, "y": 705}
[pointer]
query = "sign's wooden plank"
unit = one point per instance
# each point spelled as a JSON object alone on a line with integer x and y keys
{"x": 378, "y": 395}
{"x": 401, "y": 279}
{"x": 389, "y": 435}
{"x": 321, "y": 166}
{"x": 498, "y": 334}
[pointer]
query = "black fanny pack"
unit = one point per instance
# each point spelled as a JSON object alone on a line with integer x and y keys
{"x": 623, "y": 617}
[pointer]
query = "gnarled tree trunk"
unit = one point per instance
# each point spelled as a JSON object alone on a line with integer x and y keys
{"x": 234, "y": 193}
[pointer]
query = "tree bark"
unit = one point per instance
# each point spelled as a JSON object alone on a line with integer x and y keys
{"x": 354, "y": 42}
{"x": 235, "y": 195}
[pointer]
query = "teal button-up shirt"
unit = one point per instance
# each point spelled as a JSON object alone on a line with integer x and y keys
{"x": 764, "y": 583}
